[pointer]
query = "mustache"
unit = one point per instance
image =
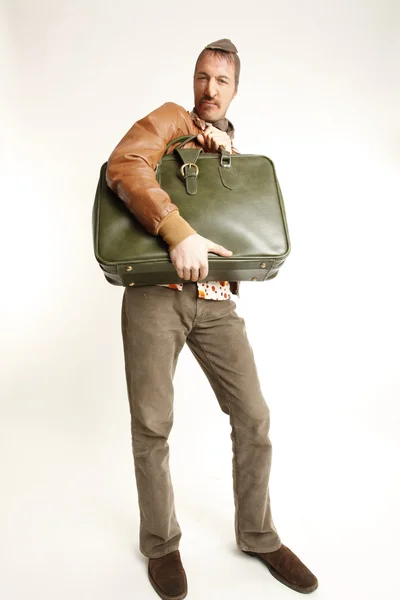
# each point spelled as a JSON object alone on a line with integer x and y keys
{"x": 208, "y": 99}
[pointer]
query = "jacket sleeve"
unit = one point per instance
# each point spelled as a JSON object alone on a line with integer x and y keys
{"x": 131, "y": 174}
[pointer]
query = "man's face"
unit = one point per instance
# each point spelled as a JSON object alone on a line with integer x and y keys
{"x": 214, "y": 87}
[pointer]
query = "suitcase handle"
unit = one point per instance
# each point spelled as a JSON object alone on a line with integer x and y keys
{"x": 182, "y": 140}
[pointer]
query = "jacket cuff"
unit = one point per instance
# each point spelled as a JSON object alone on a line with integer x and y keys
{"x": 174, "y": 229}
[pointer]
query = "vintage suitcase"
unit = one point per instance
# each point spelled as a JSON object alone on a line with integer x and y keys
{"x": 234, "y": 200}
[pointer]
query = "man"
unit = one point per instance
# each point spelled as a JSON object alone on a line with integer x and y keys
{"x": 158, "y": 320}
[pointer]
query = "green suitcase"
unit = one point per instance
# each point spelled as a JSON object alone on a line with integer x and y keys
{"x": 233, "y": 200}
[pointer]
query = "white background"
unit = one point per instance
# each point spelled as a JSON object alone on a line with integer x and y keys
{"x": 319, "y": 94}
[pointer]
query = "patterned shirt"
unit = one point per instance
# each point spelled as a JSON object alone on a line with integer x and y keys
{"x": 209, "y": 290}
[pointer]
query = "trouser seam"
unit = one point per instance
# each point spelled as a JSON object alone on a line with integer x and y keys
{"x": 226, "y": 396}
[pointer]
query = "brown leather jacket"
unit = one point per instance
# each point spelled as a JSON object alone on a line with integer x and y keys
{"x": 131, "y": 172}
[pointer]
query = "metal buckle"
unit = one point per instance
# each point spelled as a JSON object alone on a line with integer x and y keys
{"x": 226, "y": 159}
{"x": 182, "y": 169}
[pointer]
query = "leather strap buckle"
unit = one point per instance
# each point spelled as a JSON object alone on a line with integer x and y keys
{"x": 196, "y": 169}
{"x": 226, "y": 159}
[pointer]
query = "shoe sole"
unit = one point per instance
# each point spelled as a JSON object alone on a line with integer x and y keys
{"x": 162, "y": 594}
{"x": 293, "y": 586}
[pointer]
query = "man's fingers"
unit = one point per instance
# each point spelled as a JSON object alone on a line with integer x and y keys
{"x": 190, "y": 257}
{"x": 178, "y": 268}
{"x": 179, "y": 265}
{"x": 208, "y": 140}
{"x": 186, "y": 273}
{"x": 219, "y": 250}
{"x": 194, "y": 274}
{"x": 189, "y": 274}
{"x": 203, "y": 271}
{"x": 212, "y": 139}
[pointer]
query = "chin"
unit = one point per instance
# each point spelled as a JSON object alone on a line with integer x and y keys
{"x": 209, "y": 115}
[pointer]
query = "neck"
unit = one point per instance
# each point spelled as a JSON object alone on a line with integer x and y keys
{"x": 222, "y": 124}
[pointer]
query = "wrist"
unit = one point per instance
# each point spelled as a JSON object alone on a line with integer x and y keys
{"x": 174, "y": 229}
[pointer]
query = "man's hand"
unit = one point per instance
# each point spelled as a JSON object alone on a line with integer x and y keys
{"x": 190, "y": 257}
{"x": 212, "y": 138}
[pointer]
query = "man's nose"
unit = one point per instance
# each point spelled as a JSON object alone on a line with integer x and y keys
{"x": 211, "y": 88}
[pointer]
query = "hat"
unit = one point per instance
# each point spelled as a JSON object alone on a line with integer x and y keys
{"x": 225, "y": 45}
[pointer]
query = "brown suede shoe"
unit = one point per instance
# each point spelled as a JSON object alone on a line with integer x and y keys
{"x": 288, "y": 569}
{"x": 168, "y": 577}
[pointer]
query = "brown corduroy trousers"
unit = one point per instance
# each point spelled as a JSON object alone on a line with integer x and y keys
{"x": 156, "y": 323}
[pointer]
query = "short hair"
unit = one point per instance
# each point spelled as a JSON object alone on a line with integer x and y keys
{"x": 231, "y": 57}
